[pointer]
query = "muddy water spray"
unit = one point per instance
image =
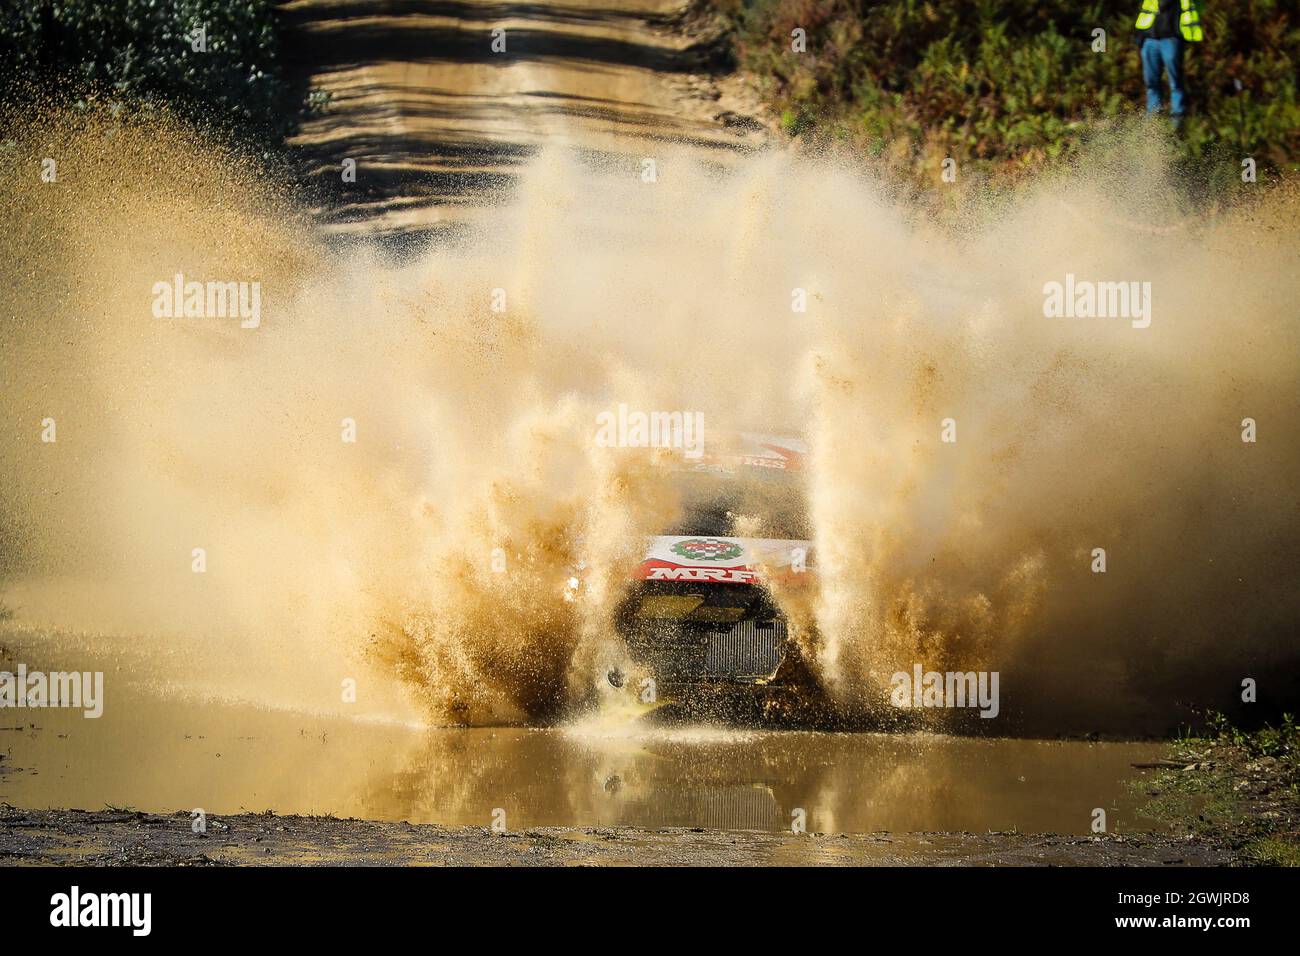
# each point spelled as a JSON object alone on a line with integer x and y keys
{"x": 435, "y": 548}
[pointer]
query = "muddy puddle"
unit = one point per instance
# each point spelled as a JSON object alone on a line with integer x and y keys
{"x": 164, "y": 749}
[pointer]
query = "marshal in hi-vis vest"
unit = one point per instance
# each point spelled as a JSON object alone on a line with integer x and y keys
{"x": 1189, "y": 21}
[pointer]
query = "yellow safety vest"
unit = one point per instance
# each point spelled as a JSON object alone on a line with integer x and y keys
{"x": 1189, "y": 22}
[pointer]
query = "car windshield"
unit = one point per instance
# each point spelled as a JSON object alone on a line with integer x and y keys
{"x": 763, "y": 505}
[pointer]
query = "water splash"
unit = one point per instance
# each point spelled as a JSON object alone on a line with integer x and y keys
{"x": 327, "y": 559}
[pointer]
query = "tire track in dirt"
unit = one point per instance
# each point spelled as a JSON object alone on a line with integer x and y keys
{"x": 438, "y": 123}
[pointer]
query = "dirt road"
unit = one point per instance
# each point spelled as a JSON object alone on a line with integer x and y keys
{"x": 123, "y": 839}
{"x": 437, "y": 101}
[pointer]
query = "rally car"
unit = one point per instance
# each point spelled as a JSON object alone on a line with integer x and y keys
{"x": 702, "y": 618}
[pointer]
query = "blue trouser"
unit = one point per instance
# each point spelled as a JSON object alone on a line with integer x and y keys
{"x": 1164, "y": 56}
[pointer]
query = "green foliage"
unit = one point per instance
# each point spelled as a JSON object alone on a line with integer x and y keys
{"x": 1283, "y": 741}
{"x": 1238, "y": 787}
{"x": 1270, "y": 851}
{"x": 1004, "y": 84}
{"x": 140, "y": 51}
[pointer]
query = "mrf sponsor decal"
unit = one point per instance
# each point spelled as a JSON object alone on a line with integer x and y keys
{"x": 722, "y": 560}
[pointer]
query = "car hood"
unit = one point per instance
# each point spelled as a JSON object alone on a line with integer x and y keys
{"x": 724, "y": 560}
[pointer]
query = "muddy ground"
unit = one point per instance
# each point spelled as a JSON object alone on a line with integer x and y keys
{"x": 110, "y": 838}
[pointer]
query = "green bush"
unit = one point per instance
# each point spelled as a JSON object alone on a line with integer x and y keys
{"x": 140, "y": 52}
{"x": 1005, "y": 84}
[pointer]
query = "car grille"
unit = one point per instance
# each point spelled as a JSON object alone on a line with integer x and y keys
{"x": 746, "y": 649}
